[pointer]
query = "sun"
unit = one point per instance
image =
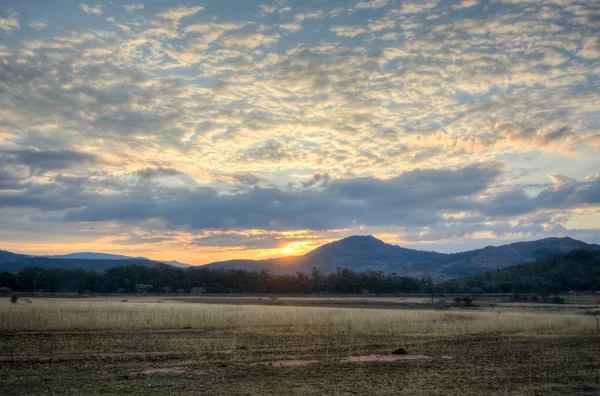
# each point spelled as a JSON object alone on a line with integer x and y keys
{"x": 287, "y": 249}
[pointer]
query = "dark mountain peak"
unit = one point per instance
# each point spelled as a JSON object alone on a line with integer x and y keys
{"x": 350, "y": 244}
{"x": 368, "y": 240}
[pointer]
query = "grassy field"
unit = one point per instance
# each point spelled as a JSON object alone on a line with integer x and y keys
{"x": 216, "y": 346}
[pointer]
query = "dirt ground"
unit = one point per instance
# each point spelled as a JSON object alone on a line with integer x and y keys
{"x": 147, "y": 363}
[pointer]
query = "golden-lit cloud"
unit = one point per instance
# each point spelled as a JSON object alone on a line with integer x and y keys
{"x": 220, "y": 126}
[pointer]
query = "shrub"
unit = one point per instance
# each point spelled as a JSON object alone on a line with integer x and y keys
{"x": 14, "y": 299}
{"x": 197, "y": 290}
{"x": 140, "y": 288}
{"x": 467, "y": 301}
{"x": 400, "y": 351}
{"x": 5, "y": 290}
{"x": 557, "y": 300}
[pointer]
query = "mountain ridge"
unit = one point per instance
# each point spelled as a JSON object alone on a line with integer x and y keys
{"x": 358, "y": 252}
{"x": 365, "y": 252}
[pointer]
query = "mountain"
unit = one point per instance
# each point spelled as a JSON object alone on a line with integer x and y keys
{"x": 105, "y": 256}
{"x": 13, "y": 262}
{"x": 363, "y": 253}
{"x": 175, "y": 263}
{"x": 9, "y": 257}
{"x": 94, "y": 256}
{"x": 50, "y": 263}
{"x": 576, "y": 270}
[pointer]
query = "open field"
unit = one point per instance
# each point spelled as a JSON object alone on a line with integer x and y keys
{"x": 149, "y": 345}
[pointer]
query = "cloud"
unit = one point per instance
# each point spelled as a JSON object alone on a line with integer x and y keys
{"x": 247, "y": 179}
{"x": 411, "y": 198}
{"x": 43, "y": 161}
{"x": 294, "y": 27}
{"x": 11, "y": 23}
{"x": 153, "y": 173}
{"x": 96, "y": 9}
{"x": 251, "y": 40}
{"x": 267, "y": 9}
{"x": 591, "y": 48}
{"x": 348, "y": 30}
{"x": 372, "y": 4}
{"x": 266, "y": 240}
{"x": 134, "y": 7}
{"x": 415, "y": 8}
{"x": 318, "y": 179}
{"x": 566, "y": 193}
{"x": 178, "y": 13}
{"x": 39, "y": 24}
{"x": 309, "y": 15}
{"x": 10, "y": 181}
{"x": 226, "y": 100}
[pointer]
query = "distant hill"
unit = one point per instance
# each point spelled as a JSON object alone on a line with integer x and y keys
{"x": 7, "y": 257}
{"x": 49, "y": 263}
{"x": 363, "y": 253}
{"x": 576, "y": 270}
{"x": 175, "y": 263}
{"x": 94, "y": 256}
{"x": 13, "y": 262}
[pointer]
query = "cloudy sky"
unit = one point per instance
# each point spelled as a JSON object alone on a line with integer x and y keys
{"x": 203, "y": 131}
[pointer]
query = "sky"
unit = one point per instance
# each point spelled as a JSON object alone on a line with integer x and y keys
{"x": 223, "y": 129}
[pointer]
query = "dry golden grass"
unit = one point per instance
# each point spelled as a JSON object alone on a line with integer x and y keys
{"x": 98, "y": 314}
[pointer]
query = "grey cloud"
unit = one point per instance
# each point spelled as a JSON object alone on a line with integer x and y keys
{"x": 247, "y": 179}
{"x": 562, "y": 196}
{"x": 43, "y": 161}
{"x": 270, "y": 151}
{"x": 10, "y": 181}
{"x": 261, "y": 241}
{"x": 318, "y": 179}
{"x": 153, "y": 173}
{"x": 138, "y": 240}
{"x": 412, "y": 198}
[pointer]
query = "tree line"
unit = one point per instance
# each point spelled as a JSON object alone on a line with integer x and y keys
{"x": 168, "y": 279}
{"x": 578, "y": 270}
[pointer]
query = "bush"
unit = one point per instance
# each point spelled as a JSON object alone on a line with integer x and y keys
{"x": 141, "y": 288}
{"x": 5, "y": 290}
{"x": 121, "y": 291}
{"x": 557, "y": 300}
{"x": 197, "y": 290}
{"x": 467, "y": 301}
{"x": 14, "y": 299}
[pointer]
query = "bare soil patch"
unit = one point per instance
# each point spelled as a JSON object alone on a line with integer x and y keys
{"x": 286, "y": 363}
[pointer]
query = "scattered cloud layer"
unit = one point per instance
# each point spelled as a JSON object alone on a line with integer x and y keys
{"x": 443, "y": 123}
